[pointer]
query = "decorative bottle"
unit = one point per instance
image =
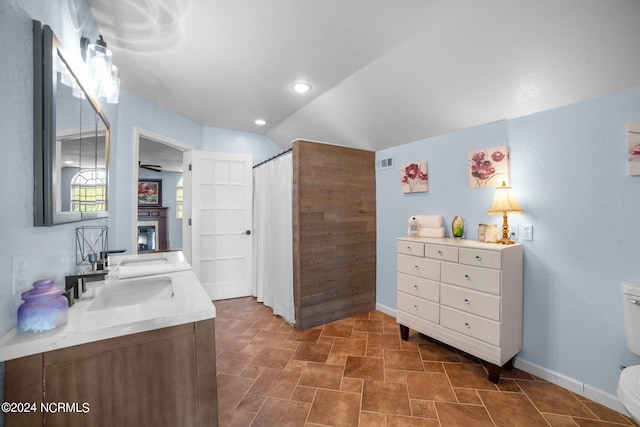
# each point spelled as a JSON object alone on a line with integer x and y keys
{"x": 413, "y": 227}
{"x": 457, "y": 227}
{"x": 44, "y": 308}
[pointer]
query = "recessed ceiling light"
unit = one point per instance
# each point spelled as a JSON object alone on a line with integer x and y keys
{"x": 260, "y": 122}
{"x": 301, "y": 87}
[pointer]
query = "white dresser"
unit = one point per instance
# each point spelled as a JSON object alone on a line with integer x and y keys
{"x": 464, "y": 293}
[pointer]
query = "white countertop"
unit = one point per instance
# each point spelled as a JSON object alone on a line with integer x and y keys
{"x": 189, "y": 303}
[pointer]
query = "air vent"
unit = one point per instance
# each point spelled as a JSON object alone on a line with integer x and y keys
{"x": 384, "y": 164}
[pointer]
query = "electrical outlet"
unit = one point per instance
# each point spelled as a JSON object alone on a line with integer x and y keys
{"x": 514, "y": 232}
{"x": 526, "y": 232}
{"x": 18, "y": 269}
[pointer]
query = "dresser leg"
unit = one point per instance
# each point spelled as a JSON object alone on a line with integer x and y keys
{"x": 494, "y": 372}
{"x": 404, "y": 332}
{"x": 509, "y": 364}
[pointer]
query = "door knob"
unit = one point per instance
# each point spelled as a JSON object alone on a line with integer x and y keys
{"x": 248, "y": 232}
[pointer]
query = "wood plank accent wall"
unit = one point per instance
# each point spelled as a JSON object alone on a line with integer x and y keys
{"x": 334, "y": 232}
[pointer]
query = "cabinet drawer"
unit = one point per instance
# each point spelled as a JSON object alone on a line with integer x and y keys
{"x": 441, "y": 252}
{"x": 410, "y": 248}
{"x": 481, "y": 279}
{"x": 480, "y": 258}
{"x": 417, "y": 286}
{"x": 421, "y": 267}
{"x": 470, "y": 325}
{"x": 473, "y": 302}
{"x": 422, "y": 308}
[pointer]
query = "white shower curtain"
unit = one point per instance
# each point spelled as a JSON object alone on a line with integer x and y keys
{"x": 272, "y": 228}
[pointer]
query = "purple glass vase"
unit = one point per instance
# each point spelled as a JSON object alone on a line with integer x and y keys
{"x": 44, "y": 308}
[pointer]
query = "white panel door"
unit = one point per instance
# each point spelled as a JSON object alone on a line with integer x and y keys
{"x": 220, "y": 213}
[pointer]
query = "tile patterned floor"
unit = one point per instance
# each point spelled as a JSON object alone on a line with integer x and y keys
{"x": 358, "y": 372}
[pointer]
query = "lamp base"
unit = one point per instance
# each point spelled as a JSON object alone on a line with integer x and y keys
{"x": 505, "y": 232}
{"x": 506, "y": 241}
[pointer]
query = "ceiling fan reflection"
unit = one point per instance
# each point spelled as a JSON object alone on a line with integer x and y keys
{"x": 155, "y": 168}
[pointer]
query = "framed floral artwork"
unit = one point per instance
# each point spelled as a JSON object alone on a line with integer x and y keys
{"x": 150, "y": 192}
{"x": 489, "y": 167}
{"x": 414, "y": 178}
{"x": 633, "y": 143}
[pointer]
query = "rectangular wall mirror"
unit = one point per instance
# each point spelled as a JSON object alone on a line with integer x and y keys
{"x": 71, "y": 139}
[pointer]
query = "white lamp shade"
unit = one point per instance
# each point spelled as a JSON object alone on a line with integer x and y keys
{"x": 504, "y": 201}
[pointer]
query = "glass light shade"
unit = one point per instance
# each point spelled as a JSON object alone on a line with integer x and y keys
{"x": 104, "y": 74}
{"x": 504, "y": 201}
{"x": 100, "y": 62}
{"x": 109, "y": 89}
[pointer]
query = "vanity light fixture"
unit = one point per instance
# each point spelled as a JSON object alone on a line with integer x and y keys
{"x": 101, "y": 69}
{"x": 504, "y": 203}
{"x": 260, "y": 122}
{"x": 301, "y": 87}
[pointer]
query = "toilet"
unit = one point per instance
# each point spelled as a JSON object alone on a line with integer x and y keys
{"x": 629, "y": 384}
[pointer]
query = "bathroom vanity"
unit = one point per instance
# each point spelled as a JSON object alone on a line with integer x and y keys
{"x": 136, "y": 351}
{"x": 464, "y": 293}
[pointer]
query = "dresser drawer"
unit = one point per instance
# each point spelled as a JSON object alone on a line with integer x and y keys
{"x": 422, "y": 308}
{"x": 410, "y": 248}
{"x": 481, "y": 279}
{"x": 441, "y": 252}
{"x": 481, "y": 304}
{"x": 417, "y": 286}
{"x": 421, "y": 267}
{"x": 480, "y": 258}
{"x": 470, "y": 325}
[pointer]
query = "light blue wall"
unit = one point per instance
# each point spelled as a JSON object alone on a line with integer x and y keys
{"x": 569, "y": 173}
{"x": 233, "y": 141}
{"x": 44, "y": 252}
{"x": 137, "y": 111}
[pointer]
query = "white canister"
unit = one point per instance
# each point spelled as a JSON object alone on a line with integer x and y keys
{"x": 491, "y": 233}
{"x": 481, "y": 231}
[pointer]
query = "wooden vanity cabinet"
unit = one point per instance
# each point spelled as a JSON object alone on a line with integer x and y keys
{"x": 163, "y": 377}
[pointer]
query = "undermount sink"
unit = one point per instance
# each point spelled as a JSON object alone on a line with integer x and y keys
{"x": 144, "y": 261}
{"x": 131, "y": 292}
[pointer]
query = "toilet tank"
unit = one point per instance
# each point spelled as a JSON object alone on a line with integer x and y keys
{"x": 631, "y": 308}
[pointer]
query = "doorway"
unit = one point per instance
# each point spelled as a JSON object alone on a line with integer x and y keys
{"x": 158, "y": 157}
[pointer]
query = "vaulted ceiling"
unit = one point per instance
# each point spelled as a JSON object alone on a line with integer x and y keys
{"x": 383, "y": 73}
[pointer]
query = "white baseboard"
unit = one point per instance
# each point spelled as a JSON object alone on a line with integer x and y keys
{"x": 595, "y": 394}
{"x": 386, "y": 310}
{"x": 578, "y": 387}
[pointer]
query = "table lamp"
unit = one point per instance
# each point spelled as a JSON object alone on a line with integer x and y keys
{"x": 504, "y": 203}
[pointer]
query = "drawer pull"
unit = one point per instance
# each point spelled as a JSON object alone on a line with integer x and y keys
{"x": 466, "y": 300}
{"x": 417, "y": 267}
{"x": 440, "y": 253}
{"x": 634, "y": 301}
{"x": 417, "y": 287}
{"x": 467, "y": 324}
{"x": 478, "y": 258}
{"x": 466, "y": 276}
{"x": 409, "y": 248}
{"x": 415, "y": 307}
